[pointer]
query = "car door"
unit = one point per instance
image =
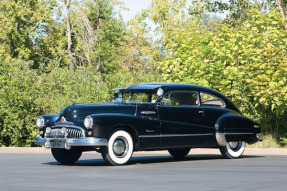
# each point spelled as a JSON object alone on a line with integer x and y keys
{"x": 182, "y": 120}
{"x": 148, "y": 125}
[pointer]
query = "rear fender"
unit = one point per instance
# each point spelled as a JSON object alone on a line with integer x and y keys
{"x": 231, "y": 127}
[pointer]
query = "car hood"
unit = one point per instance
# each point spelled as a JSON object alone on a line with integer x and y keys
{"x": 77, "y": 113}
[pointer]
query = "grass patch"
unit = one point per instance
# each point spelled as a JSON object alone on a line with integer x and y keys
{"x": 268, "y": 142}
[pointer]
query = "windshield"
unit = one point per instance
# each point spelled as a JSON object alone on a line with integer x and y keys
{"x": 135, "y": 97}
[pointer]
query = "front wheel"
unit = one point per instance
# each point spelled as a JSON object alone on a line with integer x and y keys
{"x": 65, "y": 156}
{"x": 119, "y": 149}
{"x": 233, "y": 149}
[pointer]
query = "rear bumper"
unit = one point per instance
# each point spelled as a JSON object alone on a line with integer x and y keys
{"x": 68, "y": 143}
{"x": 260, "y": 138}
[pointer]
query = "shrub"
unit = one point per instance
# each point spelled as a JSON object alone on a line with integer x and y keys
{"x": 26, "y": 93}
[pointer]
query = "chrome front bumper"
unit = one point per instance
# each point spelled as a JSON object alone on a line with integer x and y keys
{"x": 68, "y": 143}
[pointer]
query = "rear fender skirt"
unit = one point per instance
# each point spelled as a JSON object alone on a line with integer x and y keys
{"x": 232, "y": 127}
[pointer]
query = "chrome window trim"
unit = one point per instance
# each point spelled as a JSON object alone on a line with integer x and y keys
{"x": 181, "y": 91}
{"x": 203, "y": 92}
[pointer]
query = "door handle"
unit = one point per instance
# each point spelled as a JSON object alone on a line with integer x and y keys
{"x": 201, "y": 112}
{"x": 148, "y": 112}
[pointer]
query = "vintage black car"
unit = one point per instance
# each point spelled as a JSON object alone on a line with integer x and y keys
{"x": 151, "y": 116}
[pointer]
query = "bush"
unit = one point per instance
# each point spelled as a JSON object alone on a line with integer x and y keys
{"x": 247, "y": 64}
{"x": 26, "y": 93}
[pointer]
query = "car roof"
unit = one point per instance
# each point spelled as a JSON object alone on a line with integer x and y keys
{"x": 169, "y": 87}
{"x": 152, "y": 87}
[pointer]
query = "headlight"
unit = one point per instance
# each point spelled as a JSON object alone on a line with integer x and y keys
{"x": 40, "y": 122}
{"x": 88, "y": 122}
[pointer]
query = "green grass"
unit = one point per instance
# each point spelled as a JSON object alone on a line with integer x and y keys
{"x": 268, "y": 142}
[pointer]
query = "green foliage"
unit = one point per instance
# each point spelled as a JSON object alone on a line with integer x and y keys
{"x": 18, "y": 110}
{"x": 245, "y": 58}
{"x": 248, "y": 64}
{"x": 236, "y": 10}
{"x": 26, "y": 93}
{"x": 109, "y": 31}
{"x": 21, "y": 25}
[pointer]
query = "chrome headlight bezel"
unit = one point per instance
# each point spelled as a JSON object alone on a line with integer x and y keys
{"x": 88, "y": 122}
{"x": 40, "y": 122}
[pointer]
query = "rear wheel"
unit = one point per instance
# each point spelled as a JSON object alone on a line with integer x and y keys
{"x": 65, "y": 156}
{"x": 233, "y": 149}
{"x": 119, "y": 149}
{"x": 179, "y": 153}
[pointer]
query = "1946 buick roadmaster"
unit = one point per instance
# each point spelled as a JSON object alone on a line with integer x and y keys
{"x": 151, "y": 116}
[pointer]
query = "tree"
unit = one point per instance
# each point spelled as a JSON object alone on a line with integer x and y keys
{"x": 22, "y": 23}
{"x": 282, "y": 6}
{"x": 69, "y": 32}
{"x": 236, "y": 9}
{"x": 248, "y": 64}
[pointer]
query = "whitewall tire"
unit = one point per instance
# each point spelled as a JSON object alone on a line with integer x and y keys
{"x": 233, "y": 149}
{"x": 120, "y": 148}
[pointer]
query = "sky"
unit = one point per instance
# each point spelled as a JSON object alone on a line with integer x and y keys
{"x": 135, "y": 6}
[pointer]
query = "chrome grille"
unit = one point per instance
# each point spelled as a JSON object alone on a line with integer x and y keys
{"x": 71, "y": 133}
{"x": 74, "y": 133}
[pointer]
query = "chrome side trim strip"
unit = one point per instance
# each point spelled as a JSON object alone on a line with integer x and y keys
{"x": 148, "y": 112}
{"x": 247, "y": 133}
{"x": 175, "y": 135}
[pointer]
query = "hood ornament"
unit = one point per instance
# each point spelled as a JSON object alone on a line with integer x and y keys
{"x": 73, "y": 102}
{"x": 63, "y": 119}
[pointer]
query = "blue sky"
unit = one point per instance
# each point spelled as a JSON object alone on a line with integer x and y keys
{"x": 135, "y": 6}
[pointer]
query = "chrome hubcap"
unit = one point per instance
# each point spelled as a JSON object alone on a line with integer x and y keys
{"x": 235, "y": 145}
{"x": 120, "y": 147}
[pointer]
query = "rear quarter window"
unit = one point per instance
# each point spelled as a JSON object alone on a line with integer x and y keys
{"x": 211, "y": 100}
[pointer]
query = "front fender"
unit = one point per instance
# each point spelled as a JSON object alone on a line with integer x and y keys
{"x": 104, "y": 124}
{"x": 49, "y": 121}
{"x": 237, "y": 128}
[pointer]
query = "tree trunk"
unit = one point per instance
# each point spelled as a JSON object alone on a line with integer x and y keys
{"x": 100, "y": 65}
{"x": 282, "y": 6}
{"x": 69, "y": 31}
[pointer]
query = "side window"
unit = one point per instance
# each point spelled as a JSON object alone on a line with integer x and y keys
{"x": 211, "y": 100}
{"x": 180, "y": 98}
{"x": 138, "y": 97}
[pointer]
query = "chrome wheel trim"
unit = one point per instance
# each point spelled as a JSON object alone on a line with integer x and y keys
{"x": 234, "y": 145}
{"x": 117, "y": 156}
{"x": 235, "y": 149}
{"x": 120, "y": 147}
